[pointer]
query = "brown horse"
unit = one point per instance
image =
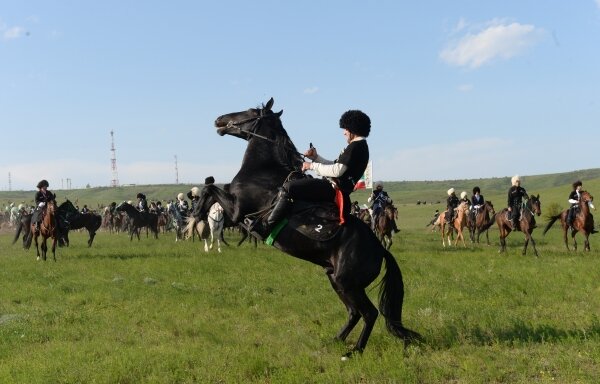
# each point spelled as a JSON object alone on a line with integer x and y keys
{"x": 483, "y": 219}
{"x": 458, "y": 224}
{"x": 583, "y": 221}
{"x": 48, "y": 228}
{"x": 526, "y": 223}
{"x": 384, "y": 225}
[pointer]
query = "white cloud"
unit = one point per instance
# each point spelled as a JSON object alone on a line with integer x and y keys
{"x": 13, "y": 33}
{"x": 598, "y": 3}
{"x": 465, "y": 87}
{"x": 313, "y": 90}
{"x": 499, "y": 40}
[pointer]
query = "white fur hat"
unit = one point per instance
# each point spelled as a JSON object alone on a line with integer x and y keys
{"x": 379, "y": 184}
{"x": 463, "y": 194}
{"x": 195, "y": 191}
{"x": 129, "y": 202}
{"x": 450, "y": 191}
{"x": 180, "y": 196}
{"x": 514, "y": 179}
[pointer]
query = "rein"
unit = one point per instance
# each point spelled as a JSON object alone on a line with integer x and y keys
{"x": 255, "y": 121}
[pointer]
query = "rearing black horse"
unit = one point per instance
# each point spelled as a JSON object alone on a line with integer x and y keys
{"x": 352, "y": 259}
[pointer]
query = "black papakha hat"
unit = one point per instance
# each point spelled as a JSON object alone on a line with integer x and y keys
{"x": 576, "y": 184}
{"x": 356, "y": 122}
{"x": 141, "y": 196}
{"x": 43, "y": 183}
{"x": 476, "y": 189}
{"x": 209, "y": 180}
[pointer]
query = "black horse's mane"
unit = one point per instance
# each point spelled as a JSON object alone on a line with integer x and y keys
{"x": 287, "y": 153}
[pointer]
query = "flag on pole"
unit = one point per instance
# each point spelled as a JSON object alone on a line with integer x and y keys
{"x": 366, "y": 180}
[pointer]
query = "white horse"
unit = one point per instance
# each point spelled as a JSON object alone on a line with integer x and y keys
{"x": 215, "y": 223}
{"x": 213, "y": 229}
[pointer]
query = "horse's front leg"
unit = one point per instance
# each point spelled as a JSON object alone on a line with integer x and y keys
{"x": 37, "y": 248}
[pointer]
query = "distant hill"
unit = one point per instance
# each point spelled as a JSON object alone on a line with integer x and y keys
{"x": 554, "y": 187}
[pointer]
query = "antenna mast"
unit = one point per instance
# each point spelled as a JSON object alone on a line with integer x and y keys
{"x": 176, "y": 171}
{"x": 113, "y": 162}
{"x": 9, "y": 183}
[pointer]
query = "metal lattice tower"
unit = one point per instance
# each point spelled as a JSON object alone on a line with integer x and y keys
{"x": 176, "y": 171}
{"x": 113, "y": 162}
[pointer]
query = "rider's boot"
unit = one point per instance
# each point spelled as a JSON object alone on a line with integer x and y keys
{"x": 282, "y": 206}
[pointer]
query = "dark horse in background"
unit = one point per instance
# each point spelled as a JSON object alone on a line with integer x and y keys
{"x": 139, "y": 220}
{"x": 481, "y": 218}
{"x": 526, "y": 223}
{"x": 70, "y": 218}
{"x": 352, "y": 259}
{"x": 583, "y": 221}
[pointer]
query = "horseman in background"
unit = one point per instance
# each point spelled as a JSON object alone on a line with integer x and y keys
{"x": 516, "y": 193}
{"x": 142, "y": 205}
{"x": 194, "y": 194}
{"x": 451, "y": 203}
{"x": 378, "y": 199}
{"x": 42, "y": 196}
{"x": 574, "y": 198}
{"x": 182, "y": 205}
{"x": 477, "y": 202}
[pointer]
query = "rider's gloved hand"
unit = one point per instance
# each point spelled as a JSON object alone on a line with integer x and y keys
{"x": 41, "y": 205}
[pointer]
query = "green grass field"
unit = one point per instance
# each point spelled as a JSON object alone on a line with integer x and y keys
{"x": 157, "y": 311}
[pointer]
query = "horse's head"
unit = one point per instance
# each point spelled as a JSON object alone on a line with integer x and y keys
{"x": 272, "y": 143}
{"x": 536, "y": 205}
{"x": 122, "y": 207}
{"x": 587, "y": 198}
{"x": 490, "y": 206}
{"x": 246, "y": 124}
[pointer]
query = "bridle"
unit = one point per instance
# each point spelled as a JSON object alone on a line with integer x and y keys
{"x": 255, "y": 121}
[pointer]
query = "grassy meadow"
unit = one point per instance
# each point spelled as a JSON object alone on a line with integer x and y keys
{"x": 156, "y": 311}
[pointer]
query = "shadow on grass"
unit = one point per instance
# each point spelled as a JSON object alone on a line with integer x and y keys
{"x": 518, "y": 332}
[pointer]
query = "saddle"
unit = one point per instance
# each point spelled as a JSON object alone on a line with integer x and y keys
{"x": 317, "y": 221}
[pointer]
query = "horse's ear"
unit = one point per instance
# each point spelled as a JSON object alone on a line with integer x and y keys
{"x": 279, "y": 113}
{"x": 269, "y": 104}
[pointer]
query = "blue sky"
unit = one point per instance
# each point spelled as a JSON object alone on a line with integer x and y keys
{"x": 454, "y": 89}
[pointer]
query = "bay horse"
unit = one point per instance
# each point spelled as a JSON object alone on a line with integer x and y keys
{"x": 531, "y": 208}
{"x": 47, "y": 228}
{"x": 139, "y": 220}
{"x": 583, "y": 221}
{"x": 484, "y": 218}
{"x": 384, "y": 226}
{"x": 458, "y": 223}
{"x": 77, "y": 220}
{"x": 352, "y": 259}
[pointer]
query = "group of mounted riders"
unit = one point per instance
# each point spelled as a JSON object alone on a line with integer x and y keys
{"x": 338, "y": 181}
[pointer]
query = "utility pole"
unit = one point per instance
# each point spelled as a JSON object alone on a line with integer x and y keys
{"x": 176, "y": 171}
{"x": 113, "y": 162}
{"x": 9, "y": 182}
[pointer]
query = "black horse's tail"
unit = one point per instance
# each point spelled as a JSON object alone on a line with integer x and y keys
{"x": 551, "y": 222}
{"x": 28, "y": 240}
{"x": 19, "y": 228}
{"x": 391, "y": 296}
